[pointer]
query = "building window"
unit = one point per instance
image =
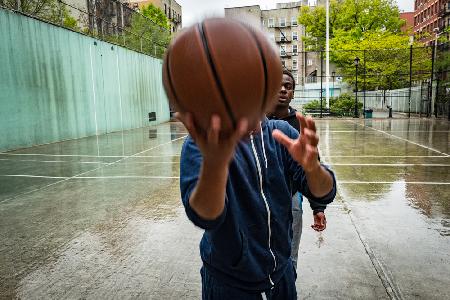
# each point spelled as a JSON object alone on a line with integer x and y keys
{"x": 272, "y": 36}
{"x": 294, "y": 64}
{"x": 294, "y": 49}
{"x": 296, "y": 78}
{"x": 263, "y": 22}
{"x": 283, "y": 63}
{"x": 294, "y": 21}
{"x": 309, "y": 62}
{"x": 170, "y": 13}
{"x": 283, "y": 50}
{"x": 282, "y": 36}
{"x": 282, "y": 22}
{"x": 165, "y": 9}
{"x": 270, "y": 22}
{"x": 294, "y": 36}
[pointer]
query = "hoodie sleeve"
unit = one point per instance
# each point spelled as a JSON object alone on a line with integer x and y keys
{"x": 299, "y": 181}
{"x": 190, "y": 164}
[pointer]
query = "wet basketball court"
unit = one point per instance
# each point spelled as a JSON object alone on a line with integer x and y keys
{"x": 100, "y": 217}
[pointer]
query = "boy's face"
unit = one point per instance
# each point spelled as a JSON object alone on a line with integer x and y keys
{"x": 286, "y": 93}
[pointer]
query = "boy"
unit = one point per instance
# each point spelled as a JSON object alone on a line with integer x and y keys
{"x": 239, "y": 191}
{"x": 283, "y": 111}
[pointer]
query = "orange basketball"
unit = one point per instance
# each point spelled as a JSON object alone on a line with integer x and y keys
{"x": 225, "y": 67}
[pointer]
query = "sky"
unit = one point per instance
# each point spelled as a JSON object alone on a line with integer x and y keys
{"x": 195, "y": 10}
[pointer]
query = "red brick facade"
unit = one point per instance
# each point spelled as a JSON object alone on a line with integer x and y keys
{"x": 430, "y": 16}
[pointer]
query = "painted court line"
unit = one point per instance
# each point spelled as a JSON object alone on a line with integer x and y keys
{"x": 353, "y": 131}
{"x": 177, "y": 177}
{"x": 83, "y": 155}
{"x": 400, "y": 138}
{"x": 391, "y": 165}
{"x": 89, "y": 162}
{"x": 53, "y": 161}
{"x": 386, "y": 156}
{"x": 109, "y": 164}
{"x": 90, "y": 177}
{"x": 392, "y": 182}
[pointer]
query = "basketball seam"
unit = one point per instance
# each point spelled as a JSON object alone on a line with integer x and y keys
{"x": 201, "y": 29}
{"x": 264, "y": 62}
{"x": 169, "y": 79}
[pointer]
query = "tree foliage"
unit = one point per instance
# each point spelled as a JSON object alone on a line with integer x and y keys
{"x": 355, "y": 17}
{"x": 149, "y": 32}
{"x": 371, "y": 31}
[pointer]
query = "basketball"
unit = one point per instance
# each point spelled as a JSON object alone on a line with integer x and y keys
{"x": 225, "y": 67}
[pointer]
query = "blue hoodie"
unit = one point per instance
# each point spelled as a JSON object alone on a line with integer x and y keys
{"x": 248, "y": 246}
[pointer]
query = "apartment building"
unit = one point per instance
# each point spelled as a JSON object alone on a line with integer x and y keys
{"x": 171, "y": 8}
{"x": 282, "y": 28}
{"x": 432, "y": 17}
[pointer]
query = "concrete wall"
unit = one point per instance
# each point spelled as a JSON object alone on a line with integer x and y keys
{"x": 56, "y": 85}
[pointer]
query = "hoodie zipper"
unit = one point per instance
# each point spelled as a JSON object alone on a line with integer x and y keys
{"x": 258, "y": 165}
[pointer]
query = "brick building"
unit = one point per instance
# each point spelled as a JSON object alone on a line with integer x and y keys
{"x": 171, "y": 9}
{"x": 431, "y": 17}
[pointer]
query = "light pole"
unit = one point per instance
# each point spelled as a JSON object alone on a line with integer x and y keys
{"x": 333, "y": 74}
{"x": 356, "y": 62}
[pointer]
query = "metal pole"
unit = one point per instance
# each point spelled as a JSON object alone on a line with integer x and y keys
{"x": 321, "y": 83}
{"x": 364, "y": 95}
{"x": 327, "y": 49}
{"x": 140, "y": 38}
{"x": 433, "y": 57}
{"x": 356, "y": 91}
{"x": 18, "y": 5}
{"x": 410, "y": 79}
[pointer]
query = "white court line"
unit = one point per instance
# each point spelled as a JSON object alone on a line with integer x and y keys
{"x": 90, "y": 177}
{"x": 83, "y": 155}
{"x": 88, "y": 162}
{"x": 400, "y": 138}
{"x": 391, "y": 165}
{"x": 386, "y": 156}
{"x": 392, "y": 182}
{"x": 353, "y": 131}
{"x": 109, "y": 164}
{"x": 53, "y": 161}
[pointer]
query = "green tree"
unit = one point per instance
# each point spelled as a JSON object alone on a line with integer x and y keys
{"x": 149, "y": 32}
{"x": 356, "y": 17}
{"x": 370, "y": 30}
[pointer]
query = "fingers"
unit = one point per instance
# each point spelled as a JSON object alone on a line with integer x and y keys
{"x": 241, "y": 130}
{"x": 214, "y": 130}
{"x": 311, "y": 124}
{"x": 188, "y": 121}
{"x": 283, "y": 139}
{"x": 302, "y": 121}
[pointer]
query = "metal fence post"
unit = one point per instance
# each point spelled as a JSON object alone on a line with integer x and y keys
{"x": 321, "y": 83}
{"x": 18, "y": 5}
{"x": 364, "y": 84}
{"x": 410, "y": 79}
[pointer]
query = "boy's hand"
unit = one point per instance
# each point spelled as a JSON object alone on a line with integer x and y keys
{"x": 320, "y": 222}
{"x": 304, "y": 149}
{"x": 215, "y": 151}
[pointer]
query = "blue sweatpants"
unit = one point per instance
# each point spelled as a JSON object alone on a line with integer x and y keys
{"x": 213, "y": 289}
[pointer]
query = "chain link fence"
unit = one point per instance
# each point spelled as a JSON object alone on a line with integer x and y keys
{"x": 108, "y": 20}
{"x": 407, "y": 81}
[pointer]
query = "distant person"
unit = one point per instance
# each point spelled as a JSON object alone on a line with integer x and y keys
{"x": 283, "y": 111}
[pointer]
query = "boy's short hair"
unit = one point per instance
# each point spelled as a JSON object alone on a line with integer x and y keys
{"x": 285, "y": 71}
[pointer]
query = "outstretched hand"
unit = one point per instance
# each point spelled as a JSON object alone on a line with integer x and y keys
{"x": 216, "y": 151}
{"x": 303, "y": 149}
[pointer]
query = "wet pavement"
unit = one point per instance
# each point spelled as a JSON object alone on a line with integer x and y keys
{"x": 100, "y": 217}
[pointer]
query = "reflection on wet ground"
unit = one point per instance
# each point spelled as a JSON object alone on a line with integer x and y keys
{"x": 100, "y": 217}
